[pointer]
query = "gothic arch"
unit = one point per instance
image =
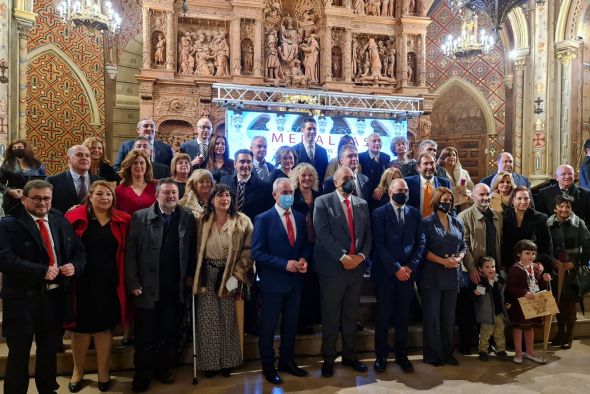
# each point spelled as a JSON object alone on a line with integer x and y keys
{"x": 569, "y": 24}
{"x": 88, "y": 93}
{"x": 477, "y": 96}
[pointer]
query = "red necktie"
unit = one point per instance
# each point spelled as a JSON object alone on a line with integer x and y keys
{"x": 350, "y": 226}
{"x": 290, "y": 232}
{"x": 46, "y": 241}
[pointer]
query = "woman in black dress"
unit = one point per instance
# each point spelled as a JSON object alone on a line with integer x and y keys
{"x": 218, "y": 161}
{"x": 99, "y": 165}
{"x": 523, "y": 222}
{"x": 100, "y": 289}
{"x": 305, "y": 179}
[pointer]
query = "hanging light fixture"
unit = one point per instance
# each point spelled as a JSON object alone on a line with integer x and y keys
{"x": 95, "y": 15}
{"x": 468, "y": 43}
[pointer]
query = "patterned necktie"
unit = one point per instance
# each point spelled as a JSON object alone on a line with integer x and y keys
{"x": 290, "y": 231}
{"x": 426, "y": 211}
{"x": 204, "y": 151}
{"x": 241, "y": 195}
{"x": 400, "y": 217}
{"x": 350, "y": 227}
{"x": 82, "y": 190}
{"x": 46, "y": 241}
{"x": 310, "y": 151}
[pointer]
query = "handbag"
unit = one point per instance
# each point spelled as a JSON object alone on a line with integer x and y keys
{"x": 582, "y": 280}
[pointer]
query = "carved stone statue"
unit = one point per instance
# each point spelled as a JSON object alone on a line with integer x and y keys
{"x": 272, "y": 56}
{"x": 297, "y": 77}
{"x": 391, "y": 60}
{"x": 288, "y": 49}
{"x": 373, "y": 56}
{"x": 221, "y": 51}
{"x": 160, "y": 52}
{"x": 358, "y": 6}
{"x": 410, "y": 69}
{"x": 408, "y": 7}
{"x": 387, "y": 7}
{"x": 355, "y": 66}
{"x": 247, "y": 57}
{"x": 373, "y": 7}
{"x": 425, "y": 128}
{"x": 184, "y": 54}
{"x": 336, "y": 64}
{"x": 311, "y": 52}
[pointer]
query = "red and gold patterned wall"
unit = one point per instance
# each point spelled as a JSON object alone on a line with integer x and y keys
{"x": 485, "y": 74}
{"x": 65, "y": 91}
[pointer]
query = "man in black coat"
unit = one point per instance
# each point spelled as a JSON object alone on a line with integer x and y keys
{"x": 39, "y": 256}
{"x": 308, "y": 151}
{"x": 349, "y": 158}
{"x": 162, "y": 152}
{"x": 373, "y": 162}
{"x": 71, "y": 186}
{"x": 565, "y": 185}
{"x": 505, "y": 162}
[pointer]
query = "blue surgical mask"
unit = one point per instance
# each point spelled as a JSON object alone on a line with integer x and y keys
{"x": 286, "y": 201}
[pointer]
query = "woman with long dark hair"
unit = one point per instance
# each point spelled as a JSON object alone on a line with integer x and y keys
{"x": 218, "y": 161}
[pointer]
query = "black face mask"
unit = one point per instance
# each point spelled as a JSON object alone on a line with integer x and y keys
{"x": 348, "y": 186}
{"x": 444, "y": 207}
{"x": 20, "y": 153}
{"x": 400, "y": 198}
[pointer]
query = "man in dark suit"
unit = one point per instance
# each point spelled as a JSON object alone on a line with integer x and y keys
{"x": 411, "y": 167}
{"x": 585, "y": 166}
{"x": 197, "y": 148}
{"x": 39, "y": 255}
{"x": 262, "y": 167}
{"x": 398, "y": 247}
{"x": 252, "y": 197}
{"x": 281, "y": 251}
{"x": 565, "y": 185}
{"x": 421, "y": 186}
{"x": 343, "y": 242}
{"x": 162, "y": 152}
{"x": 159, "y": 170}
{"x": 373, "y": 162}
{"x": 308, "y": 151}
{"x": 160, "y": 260}
{"x": 71, "y": 186}
{"x": 505, "y": 162}
{"x": 349, "y": 158}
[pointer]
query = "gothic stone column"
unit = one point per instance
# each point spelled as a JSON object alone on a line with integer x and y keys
{"x": 170, "y": 42}
{"x": 421, "y": 62}
{"x": 23, "y": 37}
{"x": 402, "y": 60}
{"x": 235, "y": 47}
{"x": 147, "y": 46}
{"x": 520, "y": 65}
{"x": 258, "y": 58}
{"x": 565, "y": 54}
{"x": 326, "y": 55}
{"x": 347, "y": 56}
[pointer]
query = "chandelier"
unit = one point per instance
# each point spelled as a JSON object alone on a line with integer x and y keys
{"x": 468, "y": 43}
{"x": 91, "y": 14}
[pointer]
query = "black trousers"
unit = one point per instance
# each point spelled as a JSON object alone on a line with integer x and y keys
{"x": 38, "y": 315}
{"x": 155, "y": 337}
{"x": 465, "y": 319}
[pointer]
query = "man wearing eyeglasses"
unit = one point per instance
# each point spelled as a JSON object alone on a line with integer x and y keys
{"x": 39, "y": 257}
{"x": 197, "y": 148}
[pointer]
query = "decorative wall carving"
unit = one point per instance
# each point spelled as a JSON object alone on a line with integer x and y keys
{"x": 203, "y": 49}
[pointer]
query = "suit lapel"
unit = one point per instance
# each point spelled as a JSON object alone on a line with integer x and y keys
{"x": 70, "y": 185}
{"x": 339, "y": 208}
{"x": 33, "y": 229}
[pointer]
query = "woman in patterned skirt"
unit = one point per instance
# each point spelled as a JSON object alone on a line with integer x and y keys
{"x": 224, "y": 259}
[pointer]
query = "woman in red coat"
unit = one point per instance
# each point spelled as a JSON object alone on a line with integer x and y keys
{"x": 100, "y": 290}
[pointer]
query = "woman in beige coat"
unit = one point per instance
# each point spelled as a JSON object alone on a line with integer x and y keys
{"x": 223, "y": 261}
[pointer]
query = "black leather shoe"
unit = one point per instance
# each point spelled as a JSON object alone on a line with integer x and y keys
{"x": 328, "y": 368}
{"x": 451, "y": 360}
{"x": 104, "y": 386}
{"x": 226, "y": 372}
{"x": 74, "y": 387}
{"x": 140, "y": 384}
{"x": 380, "y": 364}
{"x": 355, "y": 364}
{"x": 271, "y": 375}
{"x": 292, "y": 368}
{"x": 165, "y": 377}
{"x": 404, "y": 364}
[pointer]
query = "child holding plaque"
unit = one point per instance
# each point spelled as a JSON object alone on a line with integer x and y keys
{"x": 525, "y": 278}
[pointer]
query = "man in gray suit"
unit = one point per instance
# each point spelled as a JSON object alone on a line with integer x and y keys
{"x": 343, "y": 241}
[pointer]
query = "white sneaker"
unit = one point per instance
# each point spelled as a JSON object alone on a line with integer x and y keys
{"x": 536, "y": 359}
{"x": 517, "y": 359}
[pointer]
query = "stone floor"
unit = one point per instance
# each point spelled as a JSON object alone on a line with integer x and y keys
{"x": 567, "y": 371}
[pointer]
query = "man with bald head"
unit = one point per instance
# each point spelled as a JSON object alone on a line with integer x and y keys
{"x": 482, "y": 229}
{"x": 197, "y": 149}
{"x": 343, "y": 242}
{"x": 398, "y": 246}
{"x": 373, "y": 162}
{"x": 71, "y": 186}
{"x": 505, "y": 162}
{"x": 161, "y": 152}
{"x": 565, "y": 185}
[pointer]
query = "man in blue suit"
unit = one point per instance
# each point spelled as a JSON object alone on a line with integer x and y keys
{"x": 310, "y": 152}
{"x": 373, "y": 162}
{"x": 506, "y": 163}
{"x": 162, "y": 152}
{"x": 398, "y": 247}
{"x": 419, "y": 185}
{"x": 198, "y": 148}
{"x": 281, "y": 250}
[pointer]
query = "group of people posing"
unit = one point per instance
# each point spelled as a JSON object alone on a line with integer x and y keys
{"x": 136, "y": 242}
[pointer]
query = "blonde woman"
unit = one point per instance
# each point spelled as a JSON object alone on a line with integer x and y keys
{"x": 99, "y": 164}
{"x": 380, "y": 196}
{"x": 197, "y": 190}
{"x": 502, "y": 186}
{"x": 461, "y": 183}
